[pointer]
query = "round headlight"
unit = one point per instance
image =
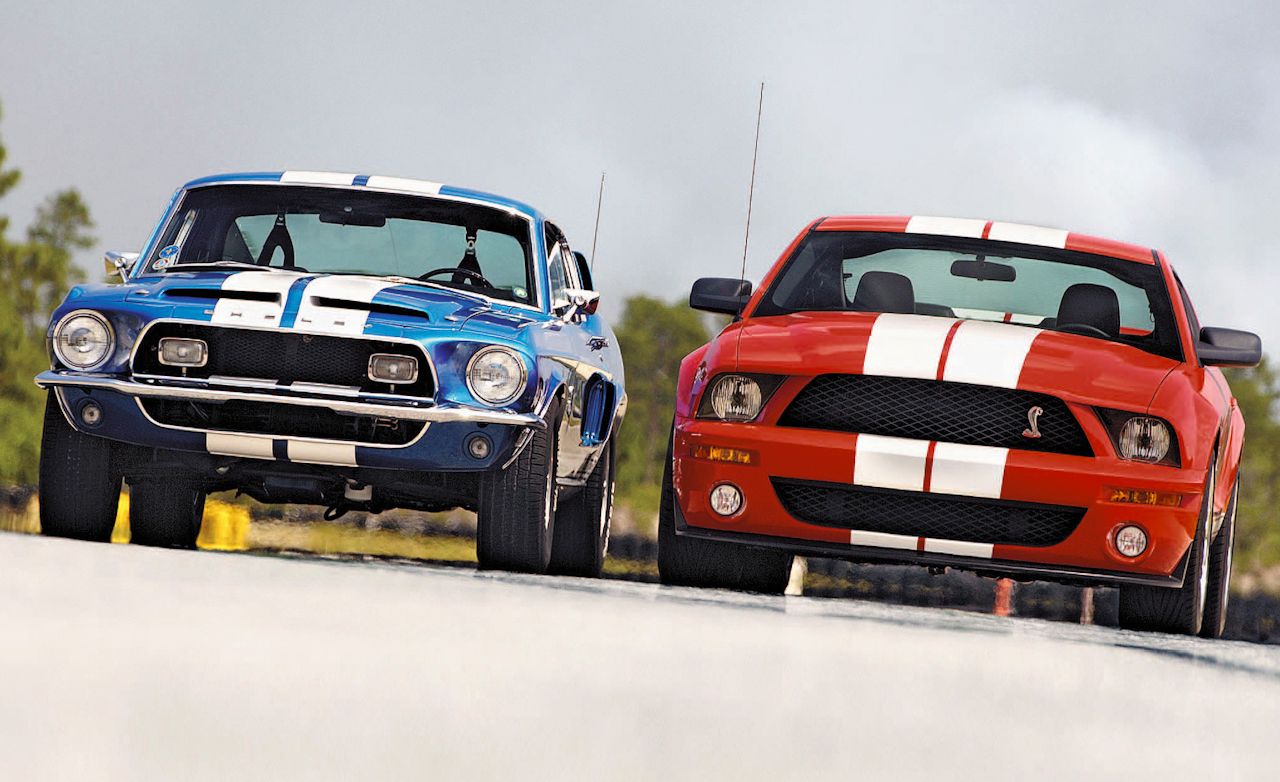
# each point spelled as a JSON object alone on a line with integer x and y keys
{"x": 83, "y": 340}
{"x": 495, "y": 376}
{"x": 736, "y": 398}
{"x": 1145, "y": 439}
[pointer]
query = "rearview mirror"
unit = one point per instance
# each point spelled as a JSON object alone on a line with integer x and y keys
{"x": 722, "y": 295}
{"x": 118, "y": 264}
{"x": 581, "y": 302}
{"x": 984, "y": 270}
{"x": 1228, "y": 348}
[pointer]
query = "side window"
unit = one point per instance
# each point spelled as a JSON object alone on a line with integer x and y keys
{"x": 556, "y": 270}
{"x": 570, "y": 265}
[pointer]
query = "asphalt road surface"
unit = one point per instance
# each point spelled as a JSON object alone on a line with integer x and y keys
{"x": 121, "y": 662}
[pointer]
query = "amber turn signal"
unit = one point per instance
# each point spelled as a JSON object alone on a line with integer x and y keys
{"x": 1165, "y": 499}
{"x": 716, "y": 453}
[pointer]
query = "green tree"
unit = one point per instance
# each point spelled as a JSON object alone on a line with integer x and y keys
{"x": 34, "y": 276}
{"x": 1258, "y": 528}
{"x": 653, "y": 336}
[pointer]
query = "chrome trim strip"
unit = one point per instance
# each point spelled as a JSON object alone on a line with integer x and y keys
{"x": 427, "y": 412}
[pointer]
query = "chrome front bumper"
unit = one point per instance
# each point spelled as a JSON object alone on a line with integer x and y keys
{"x": 385, "y": 406}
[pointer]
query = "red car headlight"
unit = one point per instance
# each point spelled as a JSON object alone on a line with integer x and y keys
{"x": 737, "y": 397}
{"x": 1141, "y": 438}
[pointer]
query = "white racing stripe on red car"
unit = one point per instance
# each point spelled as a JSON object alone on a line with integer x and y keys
{"x": 906, "y": 346}
{"x": 890, "y": 462}
{"x": 959, "y": 548}
{"x": 239, "y": 312}
{"x": 967, "y": 470}
{"x": 883, "y": 540}
{"x": 946, "y": 226}
{"x": 988, "y": 354}
{"x": 1028, "y": 234}
{"x": 316, "y": 316}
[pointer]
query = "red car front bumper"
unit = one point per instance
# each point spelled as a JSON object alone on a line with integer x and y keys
{"x": 1086, "y": 555}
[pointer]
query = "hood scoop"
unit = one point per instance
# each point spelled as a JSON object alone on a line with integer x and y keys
{"x": 394, "y": 310}
{"x": 214, "y": 294}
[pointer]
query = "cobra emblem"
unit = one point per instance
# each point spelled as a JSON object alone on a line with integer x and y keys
{"x": 1032, "y": 432}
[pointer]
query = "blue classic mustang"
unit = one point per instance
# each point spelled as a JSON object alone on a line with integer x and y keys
{"x": 353, "y": 342}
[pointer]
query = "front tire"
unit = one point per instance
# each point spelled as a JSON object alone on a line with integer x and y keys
{"x": 516, "y": 514}
{"x": 79, "y": 480}
{"x": 581, "y": 535}
{"x": 1219, "y": 591}
{"x": 685, "y": 561}
{"x": 1179, "y": 611}
{"x": 165, "y": 514}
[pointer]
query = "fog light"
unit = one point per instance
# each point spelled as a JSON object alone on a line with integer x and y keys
{"x": 479, "y": 446}
{"x": 91, "y": 414}
{"x": 179, "y": 352}
{"x": 726, "y": 499}
{"x": 390, "y": 368}
{"x": 1131, "y": 540}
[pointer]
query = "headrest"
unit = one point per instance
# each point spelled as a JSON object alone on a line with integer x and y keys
{"x": 1091, "y": 305}
{"x": 885, "y": 292}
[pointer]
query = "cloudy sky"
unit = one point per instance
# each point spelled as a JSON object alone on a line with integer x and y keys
{"x": 1156, "y": 123}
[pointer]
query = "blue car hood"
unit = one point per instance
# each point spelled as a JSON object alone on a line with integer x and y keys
{"x": 289, "y": 292}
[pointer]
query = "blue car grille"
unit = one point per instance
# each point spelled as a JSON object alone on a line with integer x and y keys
{"x": 283, "y": 356}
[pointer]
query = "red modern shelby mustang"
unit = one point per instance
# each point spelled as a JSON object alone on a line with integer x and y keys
{"x": 1009, "y": 399}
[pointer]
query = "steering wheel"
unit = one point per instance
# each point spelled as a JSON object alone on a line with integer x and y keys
{"x": 477, "y": 276}
{"x": 1083, "y": 328}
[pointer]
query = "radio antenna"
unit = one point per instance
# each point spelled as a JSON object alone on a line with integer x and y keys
{"x": 751, "y": 191}
{"x": 596, "y": 233}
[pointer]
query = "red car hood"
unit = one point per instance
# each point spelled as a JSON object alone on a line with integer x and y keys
{"x": 1075, "y": 368}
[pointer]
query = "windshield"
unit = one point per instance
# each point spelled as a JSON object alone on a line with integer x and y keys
{"x": 1080, "y": 293}
{"x": 333, "y": 231}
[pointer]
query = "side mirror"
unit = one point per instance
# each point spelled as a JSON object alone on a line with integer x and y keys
{"x": 119, "y": 264}
{"x": 722, "y": 295}
{"x": 584, "y": 271}
{"x": 1228, "y": 348}
{"x": 581, "y": 302}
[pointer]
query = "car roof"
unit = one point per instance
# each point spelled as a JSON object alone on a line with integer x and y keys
{"x": 989, "y": 229}
{"x": 367, "y": 181}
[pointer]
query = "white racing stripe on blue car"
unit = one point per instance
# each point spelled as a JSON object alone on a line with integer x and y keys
{"x": 316, "y": 178}
{"x": 313, "y": 316}
{"x": 248, "y": 445}
{"x": 239, "y": 312}
{"x": 312, "y": 452}
{"x": 404, "y": 185}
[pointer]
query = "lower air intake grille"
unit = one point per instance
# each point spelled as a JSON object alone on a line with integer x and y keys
{"x": 927, "y": 515}
{"x": 281, "y": 420}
